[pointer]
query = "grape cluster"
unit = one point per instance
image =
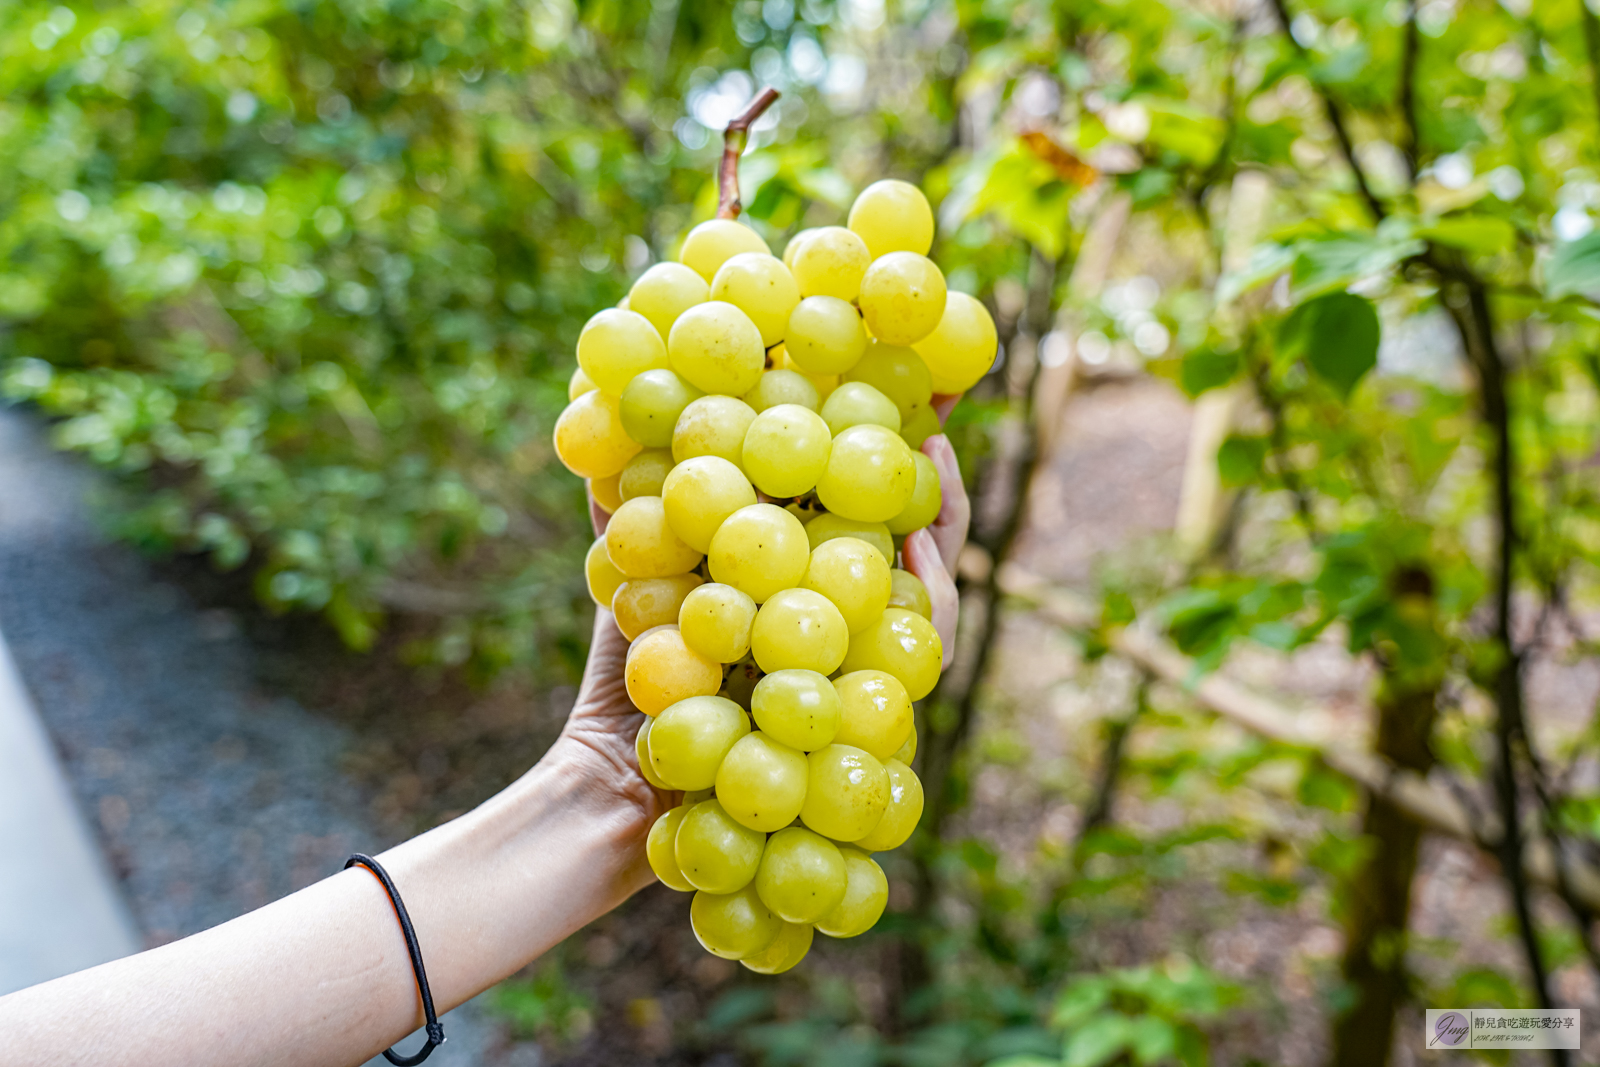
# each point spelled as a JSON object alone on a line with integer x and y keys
{"x": 753, "y": 425}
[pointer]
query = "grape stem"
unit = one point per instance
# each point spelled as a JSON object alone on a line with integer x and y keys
{"x": 733, "y": 142}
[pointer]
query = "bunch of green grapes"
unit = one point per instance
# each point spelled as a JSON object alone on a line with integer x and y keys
{"x": 753, "y": 425}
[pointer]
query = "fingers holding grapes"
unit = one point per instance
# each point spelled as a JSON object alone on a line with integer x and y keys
{"x": 924, "y": 560}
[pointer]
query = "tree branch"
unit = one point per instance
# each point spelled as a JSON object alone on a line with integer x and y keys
{"x": 734, "y": 139}
{"x": 1412, "y": 148}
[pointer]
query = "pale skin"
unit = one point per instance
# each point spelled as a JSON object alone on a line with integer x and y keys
{"x": 321, "y": 977}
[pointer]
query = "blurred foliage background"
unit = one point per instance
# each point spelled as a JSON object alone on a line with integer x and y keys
{"x": 307, "y": 276}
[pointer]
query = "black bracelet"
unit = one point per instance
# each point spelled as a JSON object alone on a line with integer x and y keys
{"x": 434, "y": 1030}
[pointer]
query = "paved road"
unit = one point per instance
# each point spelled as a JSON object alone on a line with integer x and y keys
{"x": 208, "y": 795}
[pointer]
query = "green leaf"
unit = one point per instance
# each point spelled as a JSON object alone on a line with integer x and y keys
{"x": 1241, "y": 459}
{"x": 1337, "y": 336}
{"x": 1098, "y": 1041}
{"x": 1574, "y": 267}
{"x": 1266, "y": 262}
{"x": 1207, "y": 368}
{"x": 1473, "y": 233}
{"x": 1328, "y": 263}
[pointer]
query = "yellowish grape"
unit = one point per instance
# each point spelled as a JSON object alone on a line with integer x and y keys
{"x": 792, "y": 249}
{"x": 870, "y": 475}
{"x": 876, "y": 712}
{"x": 760, "y": 286}
{"x": 616, "y": 345}
{"x": 643, "y": 603}
{"x": 832, "y": 263}
{"x": 865, "y": 896}
{"x": 714, "y": 851}
{"x": 907, "y": 591}
{"x": 733, "y": 926}
{"x": 902, "y": 298}
{"x": 762, "y": 782}
{"x": 641, "y": 751}
{"x": 601, "y": 573}
{"x": 666, "y": 291}
{"x": 715, "y": 621}
{"x": 712, "y": 426}
{"x": 905, "y": 808}
{"x": 908, "y": 751}
{"x": 802, "y": 876}
{"x": 854, "y": 576}
{"x": 923, "y": 424}
{"x": 783, "y": 387}
{"x": 651, "y": 404}
{"x": 961, "y": 349}
{"x": 798, "y": 629}
{"x": 710, "y": 244}
{"x": 662, "y": 672}
{"x": 589, "y": 437}
{"x": 797, "y": 707}
{"x": 645, "y": 473}
{"x": 847, "y": 792}
{"x": 691, "y": 736}
{"x": 700, "y": 493}
{"x": 786, "y": 450}
{"x": 926, "y": 499}
{"x": 607, "y": 492}
{"x": 824, "y": 384}
{"x": 895, "y": 371}
{"x": 717, "y": 349}
{"x": 578, "y": 384}
{"x": 901, "y": 643}
{"x": 642, "y": 545}
{"x": 893, "y": 216}
{"x": 859, "y": 404}
{"x": 658, "y": 849}
{"x": 760, "y": 550}
{"x": 824, "y": 335}
{"x": 827, "y": 526}
{"x": 787, "y": 950}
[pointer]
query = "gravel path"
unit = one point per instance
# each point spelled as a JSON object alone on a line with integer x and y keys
{"x": 211, "y": 796}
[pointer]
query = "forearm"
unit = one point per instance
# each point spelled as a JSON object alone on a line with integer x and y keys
{"x": 322, "y": 976}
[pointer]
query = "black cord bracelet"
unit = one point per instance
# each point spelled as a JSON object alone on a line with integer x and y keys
{"x": 434, "y": 1031}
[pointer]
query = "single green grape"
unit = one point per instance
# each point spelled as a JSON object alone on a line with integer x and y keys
{"x": 792, "y": 249}
{"x": 641, "y": 750}
{"x": 907, "y": 591}
{"x": 800, "y": 708}
{"x": 827, "y": 526}
{"x": 699, "y": 494}
{"x": 825, "y": 335}
{"x": 712, "y": 243}
{"x": 786, "y": 450}
{"x": 651, "y": 404}
{"x": 715, "y": 621}
{"x": 927, "y": 497}
{"x": 666, "y": 291}
{"x": 847, "y": 791}
{"x": 589, "y": 438}
{"x": 802, "y": 876}
{"x": 898, "y": 373}
{"x": 892, "y": 216}
{"x": 733, "y": 925}
{"x": 715, "y": 852}
{"x": 854, "y": 576}
{"x": 762, "y": 287}
{"x": 640, "y": 604}
{"x": 717, "y": 349}
{"x": 787, "y": 950}
{"x": 761, "y": 550}
{"x": 961, "y": 349}
{"x": 659, "y": 850}
{"x": 923, "y": 424}
{"x": 602, "y": 575}
{"x": 607, "y": 492}
{"x": 902, "y": 298}
{"x": 783, "y": 387}
{"x": 690, "y": 738}
{"x": 579, "y": 384}
{"x": 799, "y": 629}
{"x": 908, "y": 751}
{"x": 901, "y": 643}
{"x": 615, "y": 345}
{"x": 902, "y": 815}
{"x": 876, "y": 712}
{"x": 645, "y": 473}
{"x": 859, "y": 404}
{"x": 831, "y": 263}
{"x": 642, "y": 545}
{"x": 865, "y": 896}
{"x": 762, "y": 782}
{"x": 712, "y": 426}
{"x": 870, "y": 475}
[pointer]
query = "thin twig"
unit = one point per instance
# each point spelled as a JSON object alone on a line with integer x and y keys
{"x": 733, "y": 142}
{"x": 1412, "y": 147}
